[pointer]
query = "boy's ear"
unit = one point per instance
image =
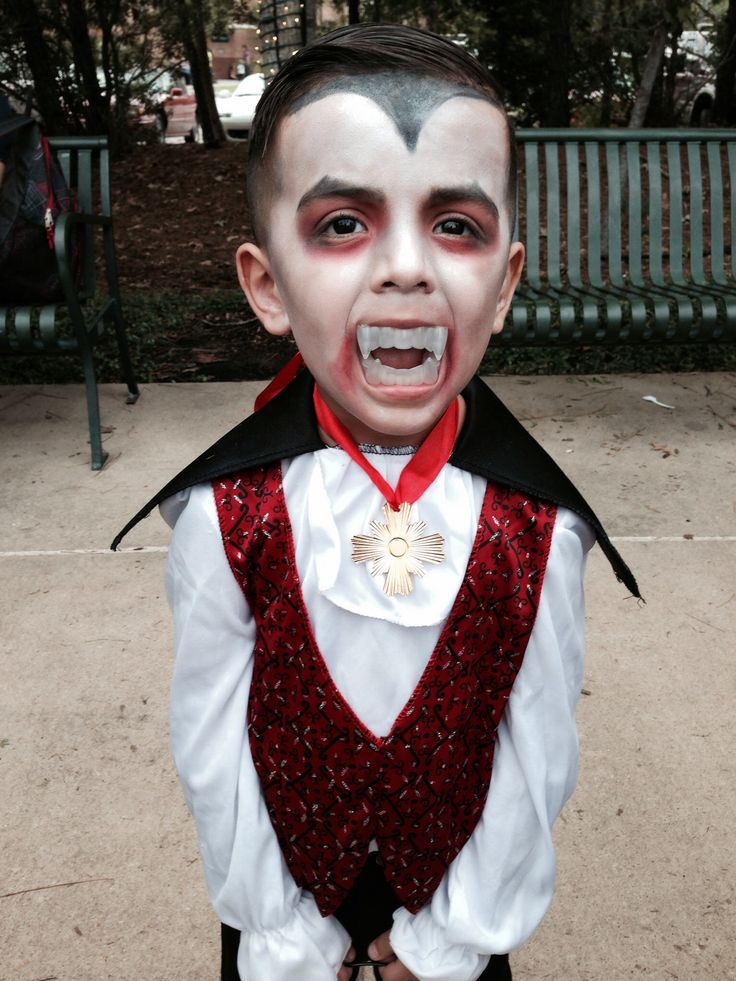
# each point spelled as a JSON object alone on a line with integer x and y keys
{"x": 513, "y": 272}
{"x": 258, "y": 283}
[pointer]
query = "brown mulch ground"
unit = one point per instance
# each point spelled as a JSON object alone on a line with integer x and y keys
{"x": 180, "y": 214}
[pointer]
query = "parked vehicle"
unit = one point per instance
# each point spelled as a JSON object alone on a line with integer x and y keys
{"x": 695, "y": 90}
{"x": 169, "y": 109}
{"x": 237, "y": 108}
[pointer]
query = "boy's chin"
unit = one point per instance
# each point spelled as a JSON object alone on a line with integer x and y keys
{"x": 397, "y": 415}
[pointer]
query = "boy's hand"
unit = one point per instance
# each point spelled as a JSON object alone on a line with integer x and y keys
{"x": 381, "y": 950}
{"x": 345, "y": 973}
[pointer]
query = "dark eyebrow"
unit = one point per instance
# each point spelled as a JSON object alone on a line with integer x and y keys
{"x": 464, "y": 192}
{"x": 328, "y": 187}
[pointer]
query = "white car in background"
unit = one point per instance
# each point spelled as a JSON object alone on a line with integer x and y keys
{"x": 236, "y": 108}
{"x": 695, "y": 89}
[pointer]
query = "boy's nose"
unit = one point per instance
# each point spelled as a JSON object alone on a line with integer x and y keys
{"x": 403, "y": 265}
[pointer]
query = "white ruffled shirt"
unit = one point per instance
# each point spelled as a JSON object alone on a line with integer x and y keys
{"x": 496, "y": 891}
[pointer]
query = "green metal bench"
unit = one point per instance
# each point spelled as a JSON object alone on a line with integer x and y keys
{"x": 75, "y": 325}
{"x": 629, "y": 235}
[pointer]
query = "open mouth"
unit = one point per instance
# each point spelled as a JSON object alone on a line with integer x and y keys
{"x": 401, "y": 355}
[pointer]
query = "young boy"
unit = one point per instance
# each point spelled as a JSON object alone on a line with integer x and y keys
{"x": 358, "y": 571}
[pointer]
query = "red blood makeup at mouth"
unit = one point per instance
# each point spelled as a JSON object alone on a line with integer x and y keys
{"x": 346, "y": 362}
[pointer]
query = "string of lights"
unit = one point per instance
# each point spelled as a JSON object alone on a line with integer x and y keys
{"x": 281, "y": 32}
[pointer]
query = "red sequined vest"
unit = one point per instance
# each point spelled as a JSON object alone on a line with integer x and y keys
{"x": 330, "y": 785}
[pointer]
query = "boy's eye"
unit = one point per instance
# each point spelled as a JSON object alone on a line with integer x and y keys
{"x": 454, "y": 226}
{"x": 343, "y": 225}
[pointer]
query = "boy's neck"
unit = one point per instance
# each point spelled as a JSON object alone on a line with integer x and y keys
{"x": 386, "y": 442}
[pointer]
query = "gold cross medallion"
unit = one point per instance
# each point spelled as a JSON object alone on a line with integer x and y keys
{"x": 398, "y": 549}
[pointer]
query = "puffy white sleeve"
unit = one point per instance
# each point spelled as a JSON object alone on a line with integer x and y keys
{"x": 499, "y": 887}
{"x": 283, "y": 935}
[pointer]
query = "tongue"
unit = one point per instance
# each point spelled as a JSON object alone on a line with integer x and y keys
{"x": 392, "y": 357}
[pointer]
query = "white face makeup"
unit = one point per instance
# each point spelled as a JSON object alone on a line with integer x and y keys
{"x": 389, "y": 262}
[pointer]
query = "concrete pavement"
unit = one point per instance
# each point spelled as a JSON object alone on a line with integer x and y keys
{"x": 99, "y": 875}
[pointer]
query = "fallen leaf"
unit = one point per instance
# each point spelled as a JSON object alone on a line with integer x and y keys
{"x": 664, "y": 450}
{"x": 207, "y": 357}
{"x": 655, "y": 401}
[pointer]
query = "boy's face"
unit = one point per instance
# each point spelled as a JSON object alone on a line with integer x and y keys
{"x": 388, "y": 258}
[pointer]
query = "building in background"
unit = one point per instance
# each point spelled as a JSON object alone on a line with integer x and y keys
{"x": 235, "y": 54}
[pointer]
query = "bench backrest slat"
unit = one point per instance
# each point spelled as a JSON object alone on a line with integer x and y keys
{"x": 532, "y": 226}
{"x": 695, "y": 211}
{"x": 715, "y": 179}
{"x": 552, "y": 178}
{"x": 573, "y": 188}
{"x": 47, "y": 326}
{"x": 84, "y": 180}
{"x": 635, "y": 214}
{"x": 23, "y": 328}
{"x": 85, "y": 191}
{"x": 732, "y": 203}
{"x": 675, "y": 200}
{"x": 105, "y": 202}
{"x": 64, "y": 160}
{"x": 594, "y": 212}
{"x": 654, "y": 200}
{"x": 615, "y": 205}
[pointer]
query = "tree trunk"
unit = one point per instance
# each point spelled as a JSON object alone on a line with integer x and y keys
{"x": 652, "y": 66}
{"x": 607, "y": 68}
{"x": 194, "y": 38}
{"x": 96, "y": 110}
{"x": 667, "y": 115}
{"x": 725, "y": 104}
{"x": 41, "y": 65}
{"x": 558, "y": 93}
{"x": 309, "y": 20}
{"x": 353, "y": 12}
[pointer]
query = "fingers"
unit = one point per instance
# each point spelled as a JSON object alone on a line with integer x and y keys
{"x": 345, "y": 973}
{"x": 380, "y": 949}
{"x": 396, "y": 972}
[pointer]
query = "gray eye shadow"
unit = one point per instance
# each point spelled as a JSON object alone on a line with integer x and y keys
{"x": 407, "y": 99}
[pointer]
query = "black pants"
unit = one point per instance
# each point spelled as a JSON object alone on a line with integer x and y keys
{"x": 366, "y": 914}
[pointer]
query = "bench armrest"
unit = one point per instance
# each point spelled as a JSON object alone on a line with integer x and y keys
{"x": 64, "y": 227}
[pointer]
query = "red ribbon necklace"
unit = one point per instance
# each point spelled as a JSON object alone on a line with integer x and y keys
{"x": 416, "y": 476}
{"x": 397, "y": 547}
{"x": 419, "y": 472}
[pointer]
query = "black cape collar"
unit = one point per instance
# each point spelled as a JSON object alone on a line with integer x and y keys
{"x": 287, "y": 427}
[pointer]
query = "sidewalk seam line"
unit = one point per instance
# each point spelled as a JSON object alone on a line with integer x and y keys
{"x": 157, "y": 549}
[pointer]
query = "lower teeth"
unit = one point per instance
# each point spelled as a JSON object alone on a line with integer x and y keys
{"x": 381, "y": 374}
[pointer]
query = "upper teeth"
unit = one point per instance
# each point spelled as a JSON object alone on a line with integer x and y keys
{"x": 371, "y": 337}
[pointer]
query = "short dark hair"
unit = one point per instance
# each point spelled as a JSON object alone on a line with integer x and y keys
{"x": 361, "y": 49}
